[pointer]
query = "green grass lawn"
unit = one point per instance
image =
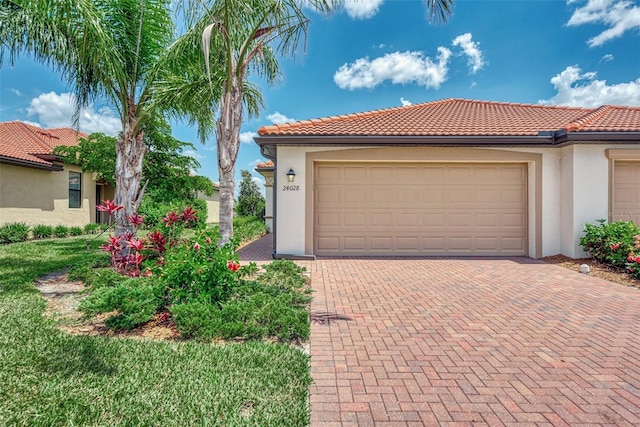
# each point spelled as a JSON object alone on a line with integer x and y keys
{"x": 48, "y": 378}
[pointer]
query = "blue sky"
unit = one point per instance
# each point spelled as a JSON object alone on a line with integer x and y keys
{"x": 376, "y": 54}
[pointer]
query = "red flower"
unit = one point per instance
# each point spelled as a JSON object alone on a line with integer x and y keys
{"x": 136, "y": 219}
{"x": 189, "y": 214}
{"x": 170, "y": 218}
{"x": 208, "y": 240}
{"x": 630, "y": 258}
{"x": 135, "y": 259}
{"x": 638, "y": 259}
{"x": 137, "y": 245}
{"x": 615, "y": 246}
{"x": 196, "y": 246}
{"x": 233, "y": 266}
{"x": 109, "y": 206}
{"x": 113, "y": 245}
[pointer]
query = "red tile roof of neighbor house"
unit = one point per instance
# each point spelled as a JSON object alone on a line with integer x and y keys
{"x": 462, "y": 117}
{"x": 29, "y": 145}
{"x": 266, "y": 165}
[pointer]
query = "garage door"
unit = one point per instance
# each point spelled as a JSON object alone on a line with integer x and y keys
{"x": 626, "y": 191}
{"x": 420, "y": 209}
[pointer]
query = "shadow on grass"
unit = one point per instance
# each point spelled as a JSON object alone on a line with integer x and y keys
{"x": 76, "y": 355}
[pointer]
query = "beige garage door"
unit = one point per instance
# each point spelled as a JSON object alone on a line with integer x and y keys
{"x": 420, "y": 209}
{"x": 626, "y": 191}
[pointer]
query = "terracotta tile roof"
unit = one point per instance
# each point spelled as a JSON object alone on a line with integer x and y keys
{"x": 23, "y": 142}
{"x": 266, "y": 165}
{"x": 461, "y": 117}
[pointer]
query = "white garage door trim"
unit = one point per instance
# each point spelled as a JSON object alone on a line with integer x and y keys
{"x": 455, "y": 209}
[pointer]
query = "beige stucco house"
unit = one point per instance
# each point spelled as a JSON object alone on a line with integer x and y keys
{"x": 36, "y": 188}
{"x": 453, "y": 177}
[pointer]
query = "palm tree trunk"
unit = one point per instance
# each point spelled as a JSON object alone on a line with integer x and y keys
{"x": 130, "y": 150}
{"x": 228, "y": 136}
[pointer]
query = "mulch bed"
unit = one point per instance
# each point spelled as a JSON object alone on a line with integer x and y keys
{"x": 596, "y": 269}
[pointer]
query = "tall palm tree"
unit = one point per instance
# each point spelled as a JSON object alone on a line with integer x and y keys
{"x": 107, "y": 50}
{"x": 243, "y": 37}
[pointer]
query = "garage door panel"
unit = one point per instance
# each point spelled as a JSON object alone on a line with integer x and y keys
{"x": 429, "y": 209}
{"x": 626, "y": 191}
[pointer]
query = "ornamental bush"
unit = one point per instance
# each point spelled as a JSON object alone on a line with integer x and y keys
{"x": 616, "y": 243}
{"x": 41, "y": 231}
{"x": 14, "y": 232}
{"x": 60, "y": 231}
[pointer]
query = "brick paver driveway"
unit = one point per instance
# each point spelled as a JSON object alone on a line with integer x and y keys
{"x": 471, "y": 342}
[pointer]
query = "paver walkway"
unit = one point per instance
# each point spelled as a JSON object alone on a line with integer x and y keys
{"x": 493, "y": 342}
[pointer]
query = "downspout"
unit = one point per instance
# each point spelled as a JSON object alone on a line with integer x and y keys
{"x": 270, "y": 152}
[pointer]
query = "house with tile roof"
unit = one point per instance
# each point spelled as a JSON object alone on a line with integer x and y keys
{"x": 35, "y": 187}
{"x": 454, "y": 177}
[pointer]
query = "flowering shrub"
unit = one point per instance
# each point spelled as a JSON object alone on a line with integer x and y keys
{"x": 616, "y": 243}
{"x": 200, "y": 270}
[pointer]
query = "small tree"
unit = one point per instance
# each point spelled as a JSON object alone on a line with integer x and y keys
{"x": 250, "y": 200}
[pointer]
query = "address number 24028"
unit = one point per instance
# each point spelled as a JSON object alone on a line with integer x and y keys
{"x": 290, "y": 188}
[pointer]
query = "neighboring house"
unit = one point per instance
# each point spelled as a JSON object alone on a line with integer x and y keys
{"x": 36, "y": 188}
{"x": 266, "y": 169}
{"x": 453, "y": 177}
{"x": 213, "y": 204}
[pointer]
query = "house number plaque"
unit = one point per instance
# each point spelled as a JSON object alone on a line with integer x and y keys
{"x": 290, "y": 188}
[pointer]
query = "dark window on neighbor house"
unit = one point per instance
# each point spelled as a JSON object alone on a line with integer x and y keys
{"x": 75, "y": 193}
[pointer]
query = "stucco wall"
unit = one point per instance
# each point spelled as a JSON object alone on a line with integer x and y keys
{"x": 213, "y": 206}
{"x": 573, "y": 189}
{"x": 42, "y": 197}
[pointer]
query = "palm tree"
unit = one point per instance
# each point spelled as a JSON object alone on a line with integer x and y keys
{"x": 106, "y": 50}
{"x": 241, "y": 37}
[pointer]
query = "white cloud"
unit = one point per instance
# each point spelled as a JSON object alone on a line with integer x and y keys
{"x": 362, "y": 9}
{"x": 16, "y": 91}
{"x": 619, "y": 16}
{"x": 405, "y": 102}
{"x": 192, "y": 153}
{"x": 606, "y": 58}
{"x": 575, "y": 88}
{"x": 278, "y": 118}
{"x": 470, "y": 48}
{"x": 397, "y": 67}
{"x": 247, "y": 137}
{"x": 53, "y": 110}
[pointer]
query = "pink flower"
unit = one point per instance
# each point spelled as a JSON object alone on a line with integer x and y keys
{"x": 196, "y": 246}
{"x": 189, "y": 214}
{"x": 208, "y": 240}
{"x": 147, "y": 273}
{"x": 630, "y": 258}
{"x": 135, "y": 259}
{"x": 638, "y": 259}
{"x": 136, "y": 219}
{"x": 170, "y": 218}
{"x": 109, "y": 207}
{"x": 200, "y": 271}
{"x": 615, "y": 246}
{"x": 233, "y": 266}
{"x": 137, "y": 245}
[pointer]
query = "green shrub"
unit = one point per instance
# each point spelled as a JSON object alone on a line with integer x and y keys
{"x": 14, "y": 232}
{"x": 42, "y": 231}
{"x": 75, "y": 231}
{"x": 616, "y": 243}
{"x": 92, "y": 228}
{"x": 246, "y": 228}
{"x": 136, "y": 301}
{"x": 256, "y": 317}
{"x": 154, "y": 212}
{"x": 198, "y": 270}
{"x": 60, "y": 231}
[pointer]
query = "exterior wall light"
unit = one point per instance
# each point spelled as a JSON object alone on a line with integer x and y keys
{"x": 291, "y": 175}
